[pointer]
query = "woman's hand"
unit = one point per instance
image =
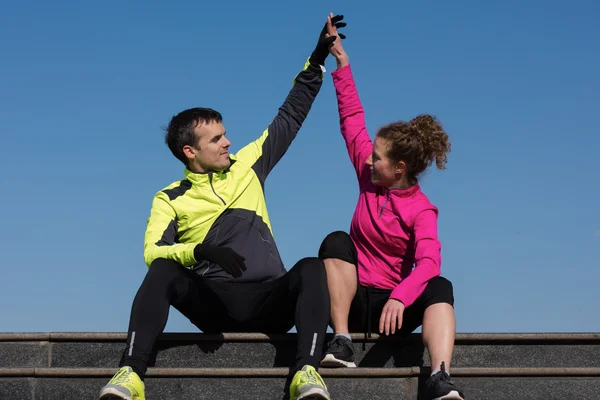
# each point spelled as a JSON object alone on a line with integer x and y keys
{"x": 337, "y": 49}
{"x": 391, "y": 317}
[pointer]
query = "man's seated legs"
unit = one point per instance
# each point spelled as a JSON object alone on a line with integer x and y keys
{"x": 300, "y": 296}
{"x": 166, "y": 283}
{"x": 305, "y": 296}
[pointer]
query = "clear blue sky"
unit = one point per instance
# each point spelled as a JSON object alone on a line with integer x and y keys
{"x": 86, "y": 87}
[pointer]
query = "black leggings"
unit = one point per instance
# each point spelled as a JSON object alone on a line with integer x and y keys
{"x": 299, "y": 297}
{"x": 369, "y": 301}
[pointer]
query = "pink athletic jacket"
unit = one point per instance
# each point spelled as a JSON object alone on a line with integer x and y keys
{"x": 393, "y": 230}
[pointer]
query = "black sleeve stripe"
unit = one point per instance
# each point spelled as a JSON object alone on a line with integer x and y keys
{"x": 169, "y": 236}
{"x": 177, "y": 191}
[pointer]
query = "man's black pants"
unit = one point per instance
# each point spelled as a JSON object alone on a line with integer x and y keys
{"x": 300, "y": 297}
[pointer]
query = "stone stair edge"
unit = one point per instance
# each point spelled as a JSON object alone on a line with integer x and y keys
{"x": 461, "y": 338}
{"x": 284, "y": 372}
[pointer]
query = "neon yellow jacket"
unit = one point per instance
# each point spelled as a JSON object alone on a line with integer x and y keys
{"x": 228, "y": 208}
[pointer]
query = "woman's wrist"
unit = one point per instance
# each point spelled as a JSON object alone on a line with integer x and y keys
{"x": 342, "y": 61}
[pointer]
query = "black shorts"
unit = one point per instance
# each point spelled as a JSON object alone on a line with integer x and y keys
{"x": 368, "y": 303}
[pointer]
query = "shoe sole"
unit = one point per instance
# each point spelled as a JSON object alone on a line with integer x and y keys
{"x": 453, "y": 395}
{"x": 314, "y": 393}
{"x": 315, "y": 398}
{"x": 332, "y": 362}
{"x": 112, "y": 394}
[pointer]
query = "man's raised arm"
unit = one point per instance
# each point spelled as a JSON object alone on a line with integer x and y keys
{"x": 264, "y": 153}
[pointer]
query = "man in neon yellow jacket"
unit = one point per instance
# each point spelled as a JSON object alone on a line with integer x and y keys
{"x": 210, "y": 250}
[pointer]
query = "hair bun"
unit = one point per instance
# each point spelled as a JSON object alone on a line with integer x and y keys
{"x": 421, "y": 122}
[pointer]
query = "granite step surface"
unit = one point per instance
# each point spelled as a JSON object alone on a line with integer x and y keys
{"x": 241, "y": 350}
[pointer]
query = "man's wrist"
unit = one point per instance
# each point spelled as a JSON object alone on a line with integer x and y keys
{"x": 312, "y": 64}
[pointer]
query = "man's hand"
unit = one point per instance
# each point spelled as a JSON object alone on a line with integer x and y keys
{"x": 227, "y": 258}
{"x": 391, "y": 317}
{"x": 325, "y": 39}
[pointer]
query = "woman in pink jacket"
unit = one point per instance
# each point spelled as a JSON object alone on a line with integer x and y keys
{"x": 393, "y": 241}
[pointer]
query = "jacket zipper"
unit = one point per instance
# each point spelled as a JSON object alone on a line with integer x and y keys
{"x": 210, "y": 174}
{"x": 387, "y": 197}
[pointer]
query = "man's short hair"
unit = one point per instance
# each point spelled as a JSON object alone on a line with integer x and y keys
{"x": 180, "y": 131}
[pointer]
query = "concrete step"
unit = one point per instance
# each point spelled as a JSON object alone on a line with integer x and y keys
{"x": 269, "y": 383}
{"x": 195, "y": 350}
{"x": 254, "y": 366}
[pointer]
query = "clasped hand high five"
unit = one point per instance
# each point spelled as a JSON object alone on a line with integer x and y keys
{"x": 327, "y": 38}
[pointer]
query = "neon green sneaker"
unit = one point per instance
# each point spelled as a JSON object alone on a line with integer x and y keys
{"x": 308, "y": 383}
{"x": 125, "y": 385}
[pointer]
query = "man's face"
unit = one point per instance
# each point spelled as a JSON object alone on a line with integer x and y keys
{"x": 211, "y": 151}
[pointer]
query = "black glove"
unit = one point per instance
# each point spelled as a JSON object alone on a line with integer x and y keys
{"x": 227, "y": 258}
{"x": 322, "y": 50}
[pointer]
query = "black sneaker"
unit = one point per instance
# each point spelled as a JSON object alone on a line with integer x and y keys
{"x": 440, "y": 387}
{"x": 340, "y": 353}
